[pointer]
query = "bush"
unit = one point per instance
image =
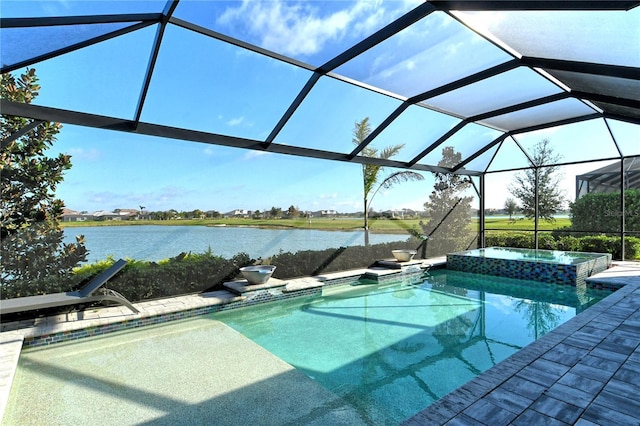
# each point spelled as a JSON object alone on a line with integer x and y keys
{"x": 601, "y": 212}
{"x": 510, "y": 239}
{"x": 311, "y": 263}
{"x": 183, "y": 274}
{"x": 193, "y": 273}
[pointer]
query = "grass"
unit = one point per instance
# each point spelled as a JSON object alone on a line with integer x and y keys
{"x": 331, "y": 224}
{"x": 524, "y": 224}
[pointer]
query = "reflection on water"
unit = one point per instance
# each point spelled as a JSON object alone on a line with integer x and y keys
{"x": 153, "y": 242}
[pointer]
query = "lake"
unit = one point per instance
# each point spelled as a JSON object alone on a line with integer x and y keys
{"x": 153, "y": 242}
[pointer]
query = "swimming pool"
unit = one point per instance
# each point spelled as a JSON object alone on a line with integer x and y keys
{"x": 385, "y": 350}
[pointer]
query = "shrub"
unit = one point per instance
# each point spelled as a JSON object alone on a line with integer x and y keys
{"x": 183, "y": 274}
{"x": 510, "y": 239}
{"x": 192, "y": 273}
{"x": 310, "y": 263}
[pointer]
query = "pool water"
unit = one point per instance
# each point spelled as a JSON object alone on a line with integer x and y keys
{"x": 390, "y": 350}
{"x": 378, "y": 353}
{"x": 533, "y": 255}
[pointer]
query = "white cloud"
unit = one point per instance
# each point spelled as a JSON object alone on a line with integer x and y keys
{"x": 85, "y": 154}
{"x": 235, "y": 121}
{"x": 299, "y": 28}
{"x": 329, "y": 196}
{"x": 254, "y": 154}
{"x": 209, "y": 151}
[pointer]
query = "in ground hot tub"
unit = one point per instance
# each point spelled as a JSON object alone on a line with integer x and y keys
{"x": 559, "y": 267}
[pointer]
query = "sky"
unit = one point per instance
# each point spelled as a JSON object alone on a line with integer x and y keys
{"x": 206, "y": 85}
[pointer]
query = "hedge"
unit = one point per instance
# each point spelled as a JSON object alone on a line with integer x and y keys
{"x": 591, "y": 243}
{"x": 601, "y": 212}
{"x": 193, "y": 273}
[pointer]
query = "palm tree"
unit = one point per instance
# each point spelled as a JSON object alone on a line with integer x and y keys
{"x": 371, "y": 172}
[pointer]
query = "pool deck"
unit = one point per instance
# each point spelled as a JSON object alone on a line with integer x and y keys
{"x": 587, "y": 371}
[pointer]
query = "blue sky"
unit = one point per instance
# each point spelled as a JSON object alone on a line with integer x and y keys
{"x": 206, "y": 85}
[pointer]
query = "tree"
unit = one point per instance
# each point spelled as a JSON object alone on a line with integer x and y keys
{"x": 511, "y": 207}
{"x": 448, "y": 209}
{"x": 31, "y": 236}
{"x": 293, "y": 212}
{"x": 550, "y": 196}
{"x": 275, "y": 212}
{"x": 371, "y": 172}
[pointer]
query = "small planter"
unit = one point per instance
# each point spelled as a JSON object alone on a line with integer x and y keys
{"x": 259, "y": 274}
{"x": 403, "y": 255}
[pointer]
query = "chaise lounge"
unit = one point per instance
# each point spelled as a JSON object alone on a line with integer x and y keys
{"x": 88, "y": 294}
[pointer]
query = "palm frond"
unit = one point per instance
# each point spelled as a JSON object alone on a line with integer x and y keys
{"x": 362, "y": 129}
{"x": 398, "y": 177}
{"x": 391, "y": 151}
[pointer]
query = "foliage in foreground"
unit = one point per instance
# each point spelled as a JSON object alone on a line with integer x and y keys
{"x": 31, "y": 238}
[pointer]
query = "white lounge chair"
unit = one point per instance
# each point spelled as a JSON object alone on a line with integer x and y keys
{"x": 88, "y": 294}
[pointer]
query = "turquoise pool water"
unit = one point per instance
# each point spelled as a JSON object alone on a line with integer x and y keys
{"x": 531, "y": 255}
{"x": 390, "y": 350}
{"x": 378, "y": 353}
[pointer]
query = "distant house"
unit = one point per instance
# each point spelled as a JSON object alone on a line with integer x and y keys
{"x": 402, "y": 213}
{"x": 328, "y": 212}
{"x": 238, "y": 213}
{"x": 105, "y": 215}
{"x": 69, "y": 215}
{"x": 128, "y": 213}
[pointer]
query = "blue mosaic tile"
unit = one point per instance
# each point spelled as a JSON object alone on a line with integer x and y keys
{"x": 574, "y": 275}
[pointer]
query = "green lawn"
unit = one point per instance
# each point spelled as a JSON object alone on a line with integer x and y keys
{"x": 329, "y": 224}
{"x": 524, "y": 224}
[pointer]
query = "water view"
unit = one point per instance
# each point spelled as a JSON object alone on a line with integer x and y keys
{"x": 153, "y": 242}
